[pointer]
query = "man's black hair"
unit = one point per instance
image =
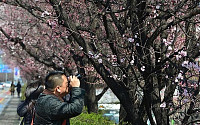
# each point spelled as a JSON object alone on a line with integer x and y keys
{"x": 53, "y": 73}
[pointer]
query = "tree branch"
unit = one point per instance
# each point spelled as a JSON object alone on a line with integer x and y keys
{"x": 98, "y": 97}
{"x": 24, "y": 47}
{"x": 160, "y": 29}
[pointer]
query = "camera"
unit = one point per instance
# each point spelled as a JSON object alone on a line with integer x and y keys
{"x": 78, "y": 76}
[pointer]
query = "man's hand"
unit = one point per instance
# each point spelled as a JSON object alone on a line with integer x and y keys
{"x": 74, "y": 81}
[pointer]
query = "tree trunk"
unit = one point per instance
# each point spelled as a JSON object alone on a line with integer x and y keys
{"x": 91, "y": 103}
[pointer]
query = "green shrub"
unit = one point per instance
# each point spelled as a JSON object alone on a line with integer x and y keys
{"x": 91, "y": 119}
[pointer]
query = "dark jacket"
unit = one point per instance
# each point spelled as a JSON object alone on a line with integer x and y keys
{"x": 52, "y": 110}
{"x": 19, "y": 87}
{"x": 25, "y": 109}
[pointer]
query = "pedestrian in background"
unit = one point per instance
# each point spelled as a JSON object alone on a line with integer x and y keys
{"x": 18, "y": 88}
{"x": 50, "y": 108}
{"x": 12, "y": 89}
{"x": 26, "y": 108}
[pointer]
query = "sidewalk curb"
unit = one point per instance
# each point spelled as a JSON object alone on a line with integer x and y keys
{"x": 5, "y": 104}
{"x": 9, "y": 115}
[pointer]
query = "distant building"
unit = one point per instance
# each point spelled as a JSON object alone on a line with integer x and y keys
{"x": 6, "y": 73}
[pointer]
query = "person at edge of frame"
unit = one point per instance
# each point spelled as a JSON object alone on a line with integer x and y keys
{"x": 26, "y": 108}
{"x": 50, "y": 107}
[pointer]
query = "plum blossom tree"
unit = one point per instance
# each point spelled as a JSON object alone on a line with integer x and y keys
{"x": 136, "y": 47}
{"x": 39, "y": 55}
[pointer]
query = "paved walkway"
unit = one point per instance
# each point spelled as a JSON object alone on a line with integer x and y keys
{"x": 9, "y": 114}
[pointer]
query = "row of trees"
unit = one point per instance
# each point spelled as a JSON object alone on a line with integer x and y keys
{"x": 135, "y": 47}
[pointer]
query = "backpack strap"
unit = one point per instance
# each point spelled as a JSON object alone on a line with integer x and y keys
{"x": 64, "y": 122}
{"x": 33, "y": 117}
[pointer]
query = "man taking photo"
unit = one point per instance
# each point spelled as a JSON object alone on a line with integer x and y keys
{"x": 50, "y": 108}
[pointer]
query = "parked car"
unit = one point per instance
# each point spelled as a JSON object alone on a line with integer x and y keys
{"x": 6, "y": 84}
{"x": 1, "y": 86}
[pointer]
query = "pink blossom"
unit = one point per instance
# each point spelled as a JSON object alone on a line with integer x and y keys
{"x": 183, "y": 53}
{"x": 130, "y": 40}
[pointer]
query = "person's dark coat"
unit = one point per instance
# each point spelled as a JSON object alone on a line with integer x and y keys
{"x": 26, "y": 108}
{"x": 19, "y": 87}
{"x": 52, "y": 110}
